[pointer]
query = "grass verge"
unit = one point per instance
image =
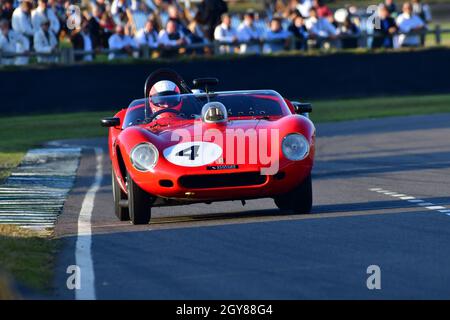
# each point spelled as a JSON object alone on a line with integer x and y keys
{"x": 353, "y": 109}
{"x": 28, "y": 256}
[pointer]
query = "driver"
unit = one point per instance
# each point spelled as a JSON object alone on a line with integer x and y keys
{"x": 165, "y": 94}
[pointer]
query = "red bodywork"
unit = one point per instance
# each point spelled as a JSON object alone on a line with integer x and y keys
{"x": 164, "y": 181}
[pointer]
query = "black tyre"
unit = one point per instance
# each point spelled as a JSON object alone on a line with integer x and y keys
{"x": 139, "y": 203}
{"x": 299, "y": 200}
{"x": 120, "y": 200}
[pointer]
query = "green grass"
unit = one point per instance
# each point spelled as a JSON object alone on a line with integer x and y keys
{"x": 353, "y": 109}
{"x": 28, "y": 256}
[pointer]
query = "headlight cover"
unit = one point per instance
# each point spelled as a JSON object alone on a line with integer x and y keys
{"x": 295, "y": 147}
{"x": 144, "y": 156}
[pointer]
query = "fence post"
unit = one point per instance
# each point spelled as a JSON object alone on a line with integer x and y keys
{"x": 66, "y": 56}
{"x": 293, "y": 43}
{"x": 145, "y": 51}
{"x": 437, "y": 33}
{"x": 216, "y": 47}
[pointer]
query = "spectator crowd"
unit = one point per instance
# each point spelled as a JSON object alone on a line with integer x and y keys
{"x": 171, "y": 27}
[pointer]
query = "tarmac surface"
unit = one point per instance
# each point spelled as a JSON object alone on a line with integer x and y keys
{"x": 381, "y": 197}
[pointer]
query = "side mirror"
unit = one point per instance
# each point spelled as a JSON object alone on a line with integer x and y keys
{"x": 302, "y": 107}
{"x": 205, "y": 83}
{"x": 110, "y": 122}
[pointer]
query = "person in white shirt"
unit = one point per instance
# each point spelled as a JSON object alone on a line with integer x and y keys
{"x": 43, "y": 11}
{"x": 140, "y": 16}
{"x": 148, "y": 35}
{"x": 247, "y": 32}
{"x": 320, "y": 29}
{"x": 121, "y": 42}
{"x": 11, "y": 42}
{"x": 304, "y": 7}
{"x": 225, "y": 33}
{"x": 21, "y": 20}
{"x": 277, "y": 38}
{"x": 122, "y": 7}
{"x": 45, "y": 42}
{"x": 171, "y": 38}
{"x": 408, "y": 22}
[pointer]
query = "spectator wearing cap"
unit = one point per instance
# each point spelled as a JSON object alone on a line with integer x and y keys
{"x": 225, "y": 33}
{"x": 408, "y": 22}
{"x": 384, "y": 35}
{"x": 83, "y": 40}
{"x": 320, "y": 29}
{"x": 21, "y": 20}
{"x": 248, "y": 32}
{"x": 43, "y": 12}
{"x": 45, "y": 42}
{"x": 277, "y": 39}
{"x": 121, "y": 43}
{"x": 11, "y": 42}
{"x": 148, "y": 36}
{"x": 300, "y": 33}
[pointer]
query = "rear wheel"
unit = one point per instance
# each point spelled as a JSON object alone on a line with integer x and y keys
{"x": 139, "y": 203}
{"x": 299, "y": 199}
{"x": 120, "y": 200}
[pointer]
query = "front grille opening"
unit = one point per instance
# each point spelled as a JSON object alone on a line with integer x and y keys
{"x": 280, "y": 175}
{"x": 222, "y": 180}
{"x": 166, "y": 183}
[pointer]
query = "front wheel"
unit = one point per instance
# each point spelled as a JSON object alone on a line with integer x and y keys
{"x": 139, "y": 203}
{"x": 120, "y": 200}
{"x": 298, "y": 200}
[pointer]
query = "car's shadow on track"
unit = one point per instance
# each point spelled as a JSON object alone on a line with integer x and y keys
{"x": 319, "y": 211}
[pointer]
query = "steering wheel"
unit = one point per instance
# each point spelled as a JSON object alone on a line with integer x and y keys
{"x": 157, "y": 113}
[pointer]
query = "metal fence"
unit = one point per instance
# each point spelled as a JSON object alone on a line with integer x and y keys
{"x": 68, "y": 55}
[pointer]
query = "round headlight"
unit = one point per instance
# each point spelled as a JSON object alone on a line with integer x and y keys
{"x": 144, "y": 156}
{"x": 295, "y": 147}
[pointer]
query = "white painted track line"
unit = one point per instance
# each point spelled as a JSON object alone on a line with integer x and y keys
{"x": 411, "y": 199}
{"x": 83, "y": 255}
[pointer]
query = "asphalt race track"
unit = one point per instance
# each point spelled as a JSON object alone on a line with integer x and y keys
{"x": 381, "y": 197}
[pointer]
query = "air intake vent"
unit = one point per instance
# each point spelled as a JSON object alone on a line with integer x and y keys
{"x": 222, "y": 180}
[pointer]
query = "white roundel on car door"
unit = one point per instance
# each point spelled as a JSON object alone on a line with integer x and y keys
{"x": 193, "y": 154}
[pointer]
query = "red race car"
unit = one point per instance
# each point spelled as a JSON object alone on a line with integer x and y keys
{"x": 180, "y": 145}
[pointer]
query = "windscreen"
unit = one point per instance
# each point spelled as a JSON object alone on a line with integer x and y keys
{"x": 189, "y": 106}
